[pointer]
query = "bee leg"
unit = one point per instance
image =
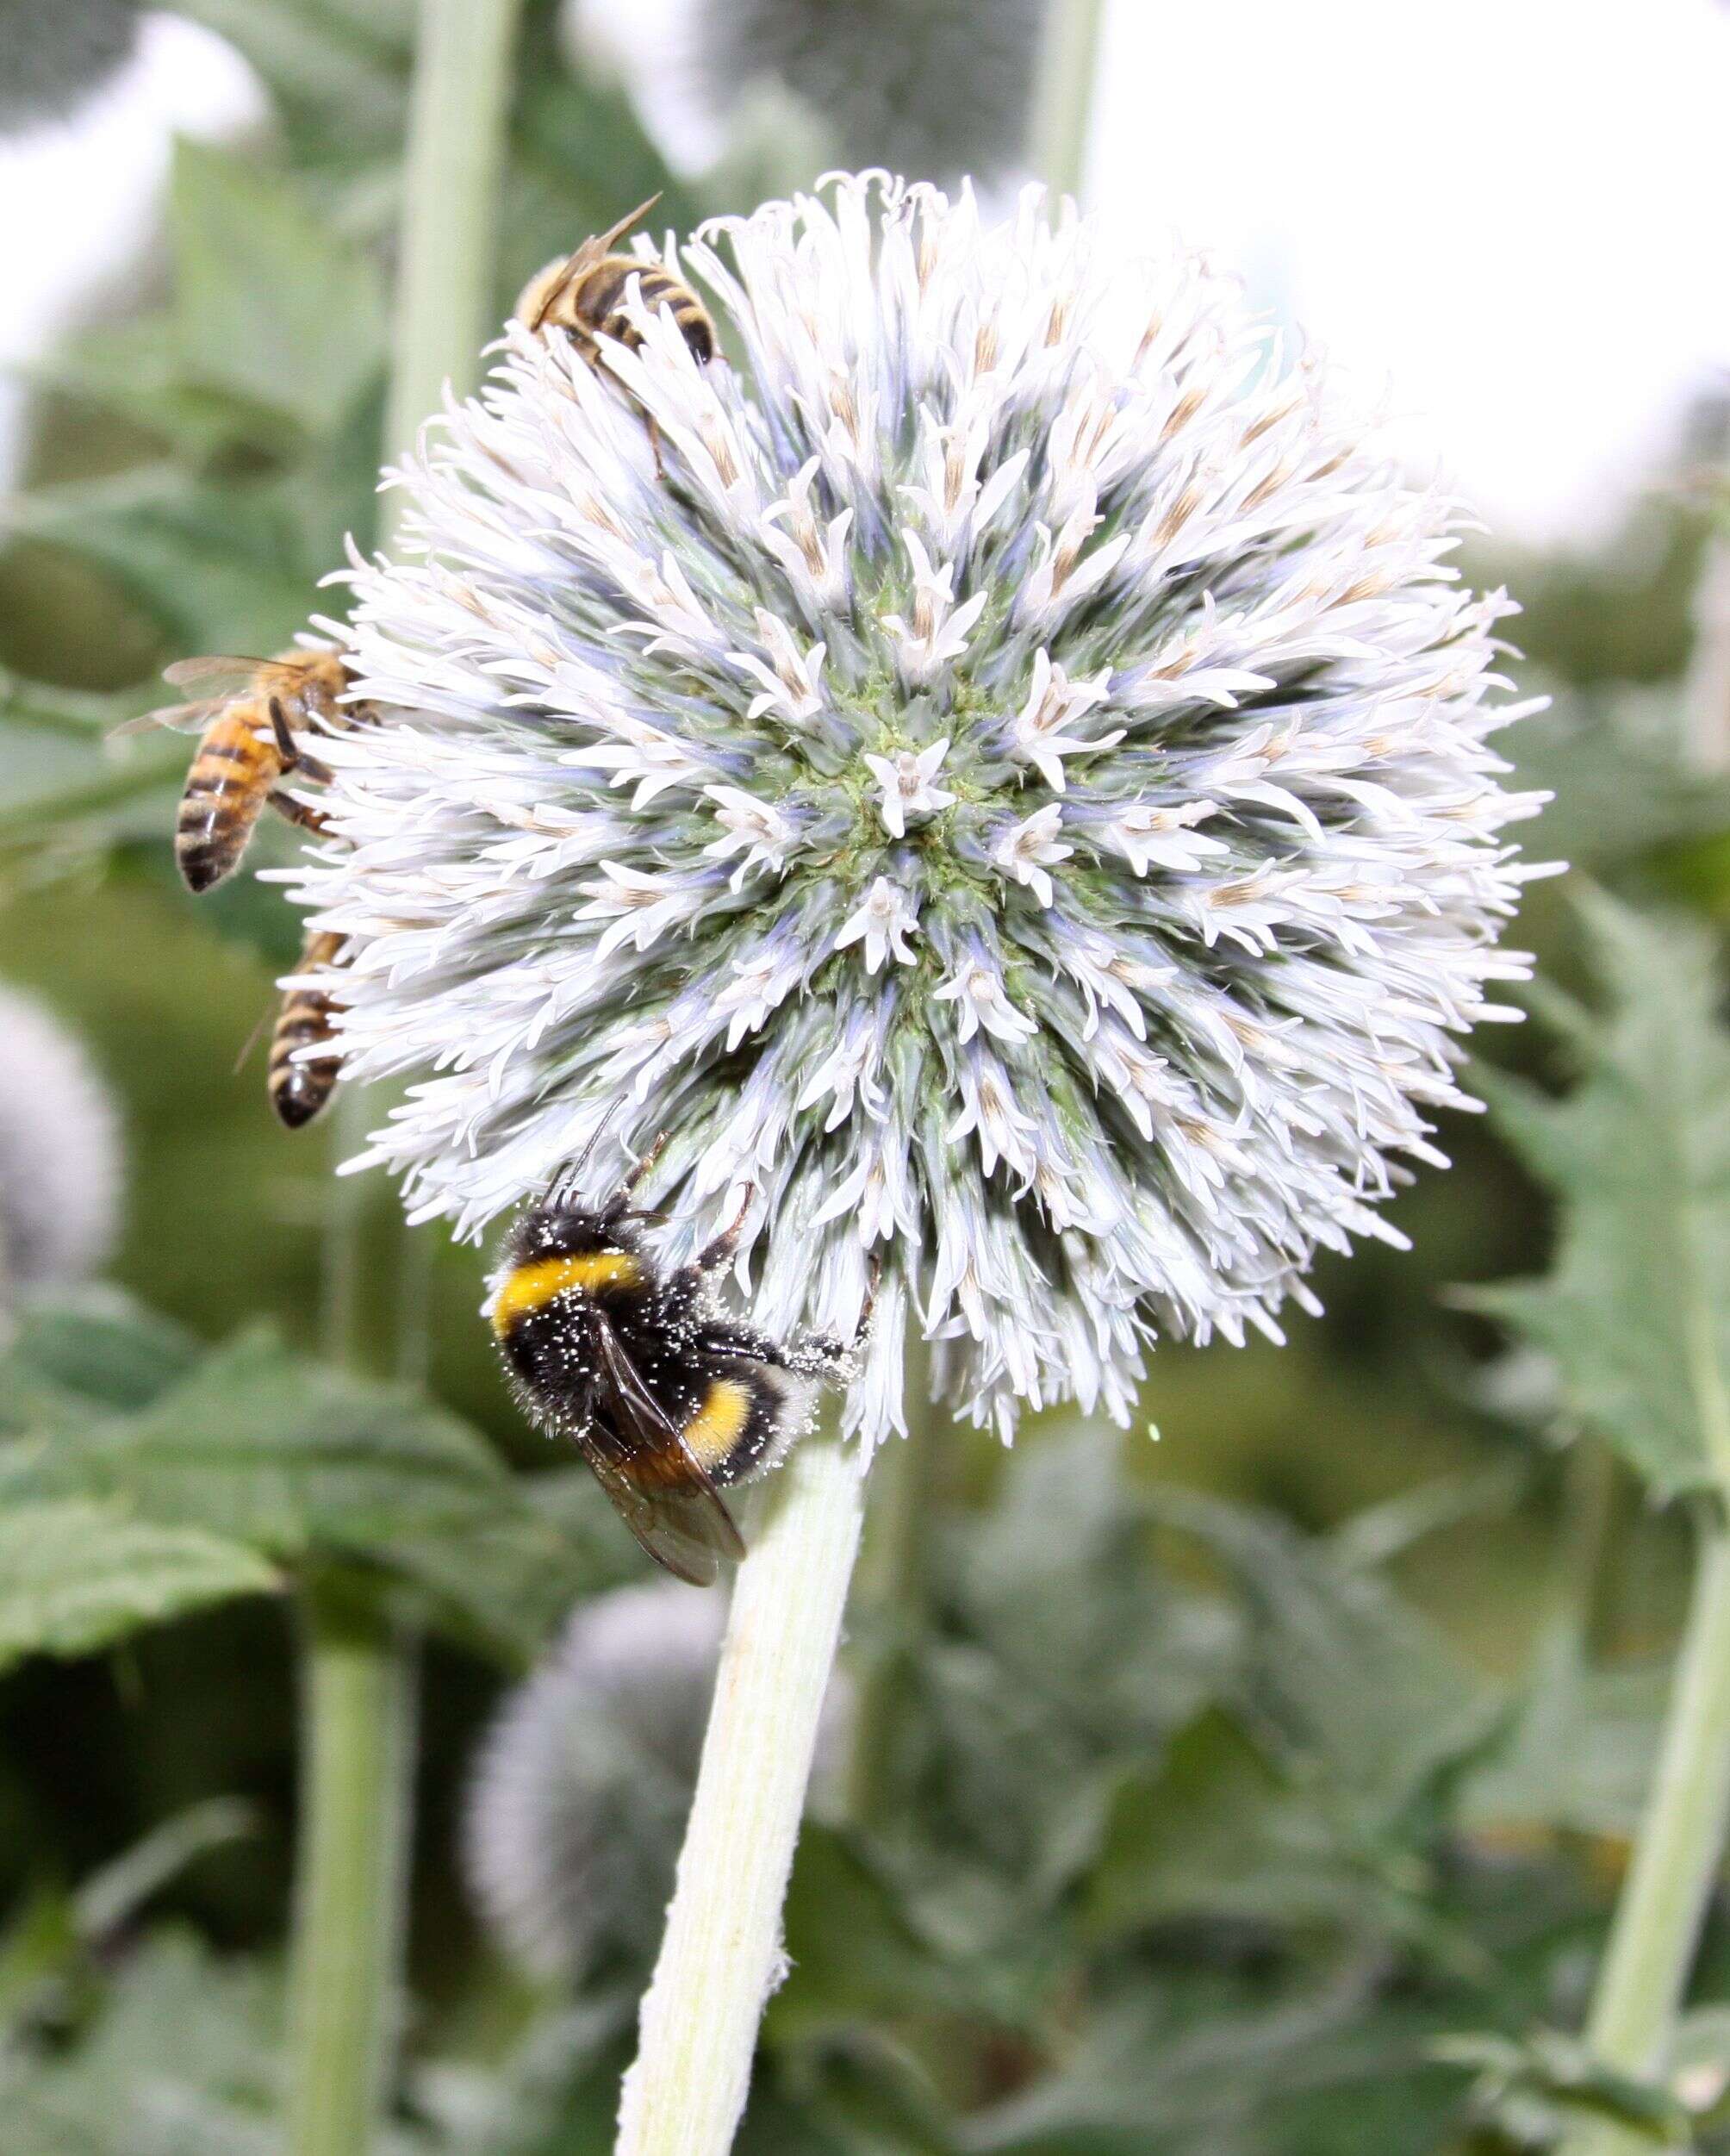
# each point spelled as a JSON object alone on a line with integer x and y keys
{"x": 290, "y": 753}
{"x": 298, "y": 812}
{"x": 655, "y": 444}
{"x": 657, "y": 1146}
{"x": 812, "y": 1356}
{"x": 619, "y": 1206}
{"x": 716, "y": 1254}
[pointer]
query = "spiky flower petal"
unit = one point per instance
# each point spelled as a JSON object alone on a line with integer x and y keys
{"x": 1011, "y": 786}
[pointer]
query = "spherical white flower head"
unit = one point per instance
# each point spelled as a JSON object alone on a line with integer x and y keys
{"x": 1012, "y": 785}
{"x": 580, "y": 1788}
{"x": 60, "y": 1156}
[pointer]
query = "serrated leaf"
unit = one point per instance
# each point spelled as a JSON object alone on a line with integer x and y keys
{"x": 1343, "y": 1678}
{"x": 76, "y": 1576}
{"x": 1635, "y": 1310}
{"x": 1576, "y": 1751}
{"x": 298, "y": 1461}
{"x": 1539, "y": 2086}
{"x": 270, "y": 304}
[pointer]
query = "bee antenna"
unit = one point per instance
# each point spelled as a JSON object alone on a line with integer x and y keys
{"x": 564, "y": 1181}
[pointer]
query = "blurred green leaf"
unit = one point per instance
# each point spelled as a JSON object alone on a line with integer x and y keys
{"x": 1346, "y": 1682}
{"x": 113, "y": 1895}
{"x": 219, "y": 566}
{"x": 270, "y": 305}
{"x": 298, "y": 1461}
{"x": 137, "y": 370}
{"x": 1636, "y": 1310}
{"x": 1538, "y": 2087}
{"x": 1215, "y": 1832}
{"x": 1576, "y": 1751}
{"x": 181, "y": 2039}
{"x": 77, "y": 1576}
{"x": 1622, "y": 786}
{"x": 855, "y": 1955}
{"x": 338, "y": 75}
{"x": 98, "y": 1348}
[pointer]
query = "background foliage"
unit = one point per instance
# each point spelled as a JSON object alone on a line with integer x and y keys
{"x": 1264, "y": 1788}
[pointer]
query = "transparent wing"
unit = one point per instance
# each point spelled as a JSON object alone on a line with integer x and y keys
{"x": 686, "y": 1531}
{"x": 228, "y": 674}
{"x": 592, "y": 250}
{"x": 668, "y": 1503}
{"x": 181, "y": 718}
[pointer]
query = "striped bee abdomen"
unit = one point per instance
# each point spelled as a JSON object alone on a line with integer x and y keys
{"x": 299, "y": 1090}
{"x": 230, "y": 778}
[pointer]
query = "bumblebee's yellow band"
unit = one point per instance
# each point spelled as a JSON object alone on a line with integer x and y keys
{"x": 719, "y": 1424}
{"x": 533, "y": 1286}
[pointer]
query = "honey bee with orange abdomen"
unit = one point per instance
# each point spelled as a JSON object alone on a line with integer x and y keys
{"x": 668, "y": 1400}
{"x": 247, "y": 717}
{"x": 583, "y": 295}
{"x": 300, "y": 1083}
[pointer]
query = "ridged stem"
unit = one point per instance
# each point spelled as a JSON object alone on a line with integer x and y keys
{"x": 345, "y": 1992}
{"x": 1643, "y": 1979}
{"x": 1063, "y": 97}
{"x": 721, "y": 1954}
{"x": 349, "y": 1921}
{"x": 889, "y": 1597}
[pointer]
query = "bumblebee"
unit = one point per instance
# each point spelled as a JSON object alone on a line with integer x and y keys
{"x": 246, "y": 717}
{"x": 299, "y": 1088}
{"x": 667, "y": 1398}
{"x": 583, "y": 295}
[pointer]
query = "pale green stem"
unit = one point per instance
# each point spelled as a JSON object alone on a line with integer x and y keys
{"x": 346, "y": 1951}
{"x": 721, "y": 1954}
{"x": 1643, "y": 1979}
{"x": 1068, "y": 63}
{"x": 345, "y": 1989}
{"x": 889, "y": 1597}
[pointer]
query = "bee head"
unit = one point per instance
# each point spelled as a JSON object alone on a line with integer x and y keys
{"x": 560, "y": 1229}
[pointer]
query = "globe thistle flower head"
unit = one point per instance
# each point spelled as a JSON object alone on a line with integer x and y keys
{"x": 582, "y": 1782}
{"x": 1011, "y": 785}
{"x": 60, "y": 1163}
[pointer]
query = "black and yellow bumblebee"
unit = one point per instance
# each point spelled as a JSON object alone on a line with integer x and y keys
{"x": 669, "y": 1399}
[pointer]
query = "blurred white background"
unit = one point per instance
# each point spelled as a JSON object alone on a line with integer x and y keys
{"x": 1510, "y": 215}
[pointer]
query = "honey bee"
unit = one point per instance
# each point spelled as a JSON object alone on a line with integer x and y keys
{"x": 246, "y": 717}
{"x": 299, "y": 1090}
{"x": 667, "y": 1398}
{"x": 584, "y": 294}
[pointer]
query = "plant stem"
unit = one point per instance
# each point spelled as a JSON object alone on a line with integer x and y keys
{"x": 720, "y": 1957}
{"x": 1644, "y": 1976}
{"x": 350, "y": 1923}
{"x": 888, "y": 1600}
{"x": 1068, "y": 62}
{"x": 357, "y": 1725}
{"x": 456, "y": 149}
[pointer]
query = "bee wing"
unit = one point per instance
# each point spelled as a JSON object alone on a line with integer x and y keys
{"x": 591, "y": 251}
{"x": 683, "y": 1525}
{"x": 181, "y": 718}
{"x": 223, "y": 675}
{"x": 678, "y": 1529}
{"x": 606, "y": 240}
